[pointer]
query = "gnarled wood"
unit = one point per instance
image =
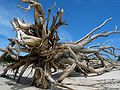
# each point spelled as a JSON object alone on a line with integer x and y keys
{"x": 40, "y": 41}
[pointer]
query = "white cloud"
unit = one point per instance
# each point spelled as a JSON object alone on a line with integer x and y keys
{"x": 5, "y": 26}
{"x": 4, "y": 43}
{"x": 4, "y": 17}
{"x": 4, "y": 21}
{"x": 64, "y": 35}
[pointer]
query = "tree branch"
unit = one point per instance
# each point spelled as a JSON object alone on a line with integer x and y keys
{"x": 95, "y": 29}
{"x": 88, "y": 40}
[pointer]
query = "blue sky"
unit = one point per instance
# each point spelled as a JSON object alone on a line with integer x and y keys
{"x": 81, "y": 15}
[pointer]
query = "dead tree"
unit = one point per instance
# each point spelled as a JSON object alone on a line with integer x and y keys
{"x": 47, "y": 55}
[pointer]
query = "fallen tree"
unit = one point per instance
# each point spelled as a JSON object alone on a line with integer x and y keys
{"x": 46, "y": 55}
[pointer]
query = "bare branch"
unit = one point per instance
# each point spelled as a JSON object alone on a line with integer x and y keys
{"x": 95, "y": 29}
{"x": 103, "y": 48}
{"x": 71, "y": 68}
{"x": 31, "y": 4}
{"x": 3, "y": 50}
{"x": 101, "y": 59}
{"x": 94, "y": 46}
{"x": 88, "y": 40}
{"x": 49, "y": 13}
{"x": 25, "y": 9}
{"x": 106, "y": 55}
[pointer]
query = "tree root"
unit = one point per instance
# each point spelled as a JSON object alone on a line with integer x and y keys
{"x": 47, "y": 54}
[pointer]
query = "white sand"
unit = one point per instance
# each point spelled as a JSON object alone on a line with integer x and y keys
{"x": 107, "y": 81}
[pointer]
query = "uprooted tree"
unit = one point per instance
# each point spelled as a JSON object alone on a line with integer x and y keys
{"x": 46, "y": 55}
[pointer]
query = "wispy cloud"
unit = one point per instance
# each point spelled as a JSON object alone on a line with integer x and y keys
{"x": 64, "y": 35}
{"x": 4, "y": 21}
{"x": 2, "y": 36}
{"x": 5, "y": 26}
{"x": 3, "y": 42}
{"x": 4, "y": 17}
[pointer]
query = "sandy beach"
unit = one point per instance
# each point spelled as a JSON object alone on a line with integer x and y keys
{"x": 107, "y": 81}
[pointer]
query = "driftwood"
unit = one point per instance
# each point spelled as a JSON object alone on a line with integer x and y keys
{"x": 47, "y": 55}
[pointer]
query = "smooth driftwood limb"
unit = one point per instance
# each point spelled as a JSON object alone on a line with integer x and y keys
{"x": 49, "y": 13}
{"x": 95, "y": 29}
{"x": 53, "y": 82}
{"x": 23, "y": 25}
{"x": 74, "y": 47}
{"x": 29, "y": 40}
{"x": 22, "y": 71}
{"x": 67, "y": 71}
{"x": 16, "y": 72}
{"x": 109, "y": 50}
{"x": 72, "y": 66}
{"x": 92, "y": 46}
{"x": 91, "y": 38}
{"x": 32, "y": 3}
{"x": 3, "y": 50}
{"x": 101, "y": 59}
